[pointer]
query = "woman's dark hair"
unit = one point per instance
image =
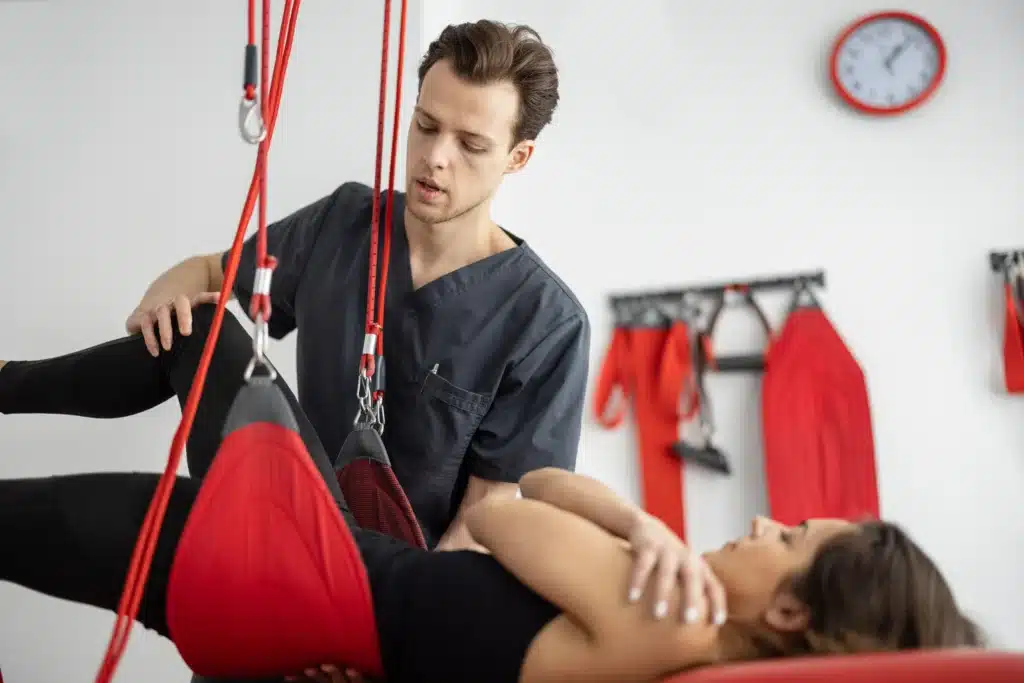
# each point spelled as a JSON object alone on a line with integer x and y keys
{"x": 874, "y": 589}
{"x": 486, "y": 52}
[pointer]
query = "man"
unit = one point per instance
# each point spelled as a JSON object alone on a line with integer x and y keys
{"x": 486, "y": 349}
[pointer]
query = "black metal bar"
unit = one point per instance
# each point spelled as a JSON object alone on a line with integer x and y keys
{"x": 744, "y": 363}
{"x": 760, "y": 284}
{"x": 997, "y": 259}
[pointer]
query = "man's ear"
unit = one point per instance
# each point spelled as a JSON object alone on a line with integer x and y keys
{"x": 519, "y": 155}
{"x": 787, "y": 614}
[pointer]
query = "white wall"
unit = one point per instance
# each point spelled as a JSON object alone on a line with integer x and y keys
{"x": 118, "y": 133}
{"x": 701, "y": 134}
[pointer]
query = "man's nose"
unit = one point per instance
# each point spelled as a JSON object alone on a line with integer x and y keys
{"x": 439, "y": 153}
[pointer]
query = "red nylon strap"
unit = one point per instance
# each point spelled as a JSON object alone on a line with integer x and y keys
{"x": 375, "y": 295}
{"x": 1013, "y": 340}
{"x": 614, "y": 380}
{"x": 142, "y": 555}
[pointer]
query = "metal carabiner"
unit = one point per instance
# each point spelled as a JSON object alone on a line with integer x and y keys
{"x": 378, "y": 415}
{"x": 249, "y": 114}
{"x": 259, "y": 352}
{"x": 365, "y": 416}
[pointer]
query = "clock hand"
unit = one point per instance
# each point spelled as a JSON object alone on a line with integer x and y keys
{"x": 896, "y": 52}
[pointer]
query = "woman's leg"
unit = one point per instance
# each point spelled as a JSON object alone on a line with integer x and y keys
{"x": 72, "y": 537}
{"x": 120, "y": 378}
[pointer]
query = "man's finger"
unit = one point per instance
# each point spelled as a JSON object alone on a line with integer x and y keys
{"x": 693, "y": 588}
{"x": 642, "y": 567}
{"x": 668, "y": 576}
{"x": 163, "y": 320}
{"x": 716, "y": 595}
{"x": 131, "y": 325}
{"x": 183, "y": 312}
{"x": 207, "y": 298}
{"x": 149, "y": 335}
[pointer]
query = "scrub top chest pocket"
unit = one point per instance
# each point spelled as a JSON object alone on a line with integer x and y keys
{"x": 448, "y": 414}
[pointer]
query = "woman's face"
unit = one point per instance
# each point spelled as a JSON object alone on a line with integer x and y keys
{"x": 751, "y": 568}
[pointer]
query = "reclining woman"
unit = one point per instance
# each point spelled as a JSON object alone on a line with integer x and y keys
{"x": 550, "y": 597}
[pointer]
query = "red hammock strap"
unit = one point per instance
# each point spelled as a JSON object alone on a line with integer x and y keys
{"x": 142, "y": 555}
{"x": 370, "y": 390}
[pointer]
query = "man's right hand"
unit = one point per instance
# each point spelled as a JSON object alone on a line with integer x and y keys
{"x": 152, "y": 317}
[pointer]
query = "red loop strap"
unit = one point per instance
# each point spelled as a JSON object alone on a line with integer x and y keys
{"x": 1013, "y": 343}
{"x": 614, "y": 378}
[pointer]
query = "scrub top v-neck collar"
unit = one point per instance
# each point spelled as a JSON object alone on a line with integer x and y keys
{"x": 435, "y": 292}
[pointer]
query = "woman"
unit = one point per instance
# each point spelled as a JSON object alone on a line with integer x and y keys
{"x": 549, "y": 598}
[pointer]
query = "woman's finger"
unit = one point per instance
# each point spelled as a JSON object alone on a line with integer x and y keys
{"x": 693, "y": 588}
{"x": 716, "y": 595}
{"x": 668, "y": 577}
{"x": 642, "y": 567}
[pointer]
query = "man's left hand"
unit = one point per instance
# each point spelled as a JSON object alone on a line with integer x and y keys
{"x": 328, "y": 674}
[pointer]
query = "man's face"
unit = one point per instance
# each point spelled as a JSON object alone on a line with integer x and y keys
{"x": 459, "y": 144}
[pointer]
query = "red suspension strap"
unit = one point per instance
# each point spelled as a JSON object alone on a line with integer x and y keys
{"x": 264, "y": 118}
{"x": 370, "y": 391}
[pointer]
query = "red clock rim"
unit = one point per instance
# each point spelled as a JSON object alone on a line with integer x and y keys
{"x": 921, "y": 23}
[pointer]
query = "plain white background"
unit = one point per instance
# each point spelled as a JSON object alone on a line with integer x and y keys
{"x": 695, "y": 141}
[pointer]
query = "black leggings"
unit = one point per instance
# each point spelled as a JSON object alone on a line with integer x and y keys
{"x": 72, "y": 536}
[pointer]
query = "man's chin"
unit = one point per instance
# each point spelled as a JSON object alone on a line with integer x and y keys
{"x": 429, "y": 215}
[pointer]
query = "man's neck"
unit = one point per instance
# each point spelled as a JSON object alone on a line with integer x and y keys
{"x": 438, "y": 249}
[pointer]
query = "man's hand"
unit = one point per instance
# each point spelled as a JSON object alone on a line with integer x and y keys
{"x": 328, "y": 674}
{"x": 656, "y": 547}
{"x": 152, "y": 317}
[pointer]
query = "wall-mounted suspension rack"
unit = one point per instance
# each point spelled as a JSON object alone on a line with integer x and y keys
{"x": 690, "y": 296}
{"x": 997, "y": 259}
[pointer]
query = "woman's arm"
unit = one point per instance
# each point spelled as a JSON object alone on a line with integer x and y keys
{"x": 584, "y": 570}
{"x": 583, "y": 496}
{"x": 660, "y": 559}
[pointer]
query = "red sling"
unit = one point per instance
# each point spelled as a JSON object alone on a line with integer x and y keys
{"x": 1013, "y": 320}
{"x": 818, "y": 437}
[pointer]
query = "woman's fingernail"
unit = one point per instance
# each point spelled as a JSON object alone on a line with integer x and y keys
{"x": 690, "y": 615}
{"x": 634, "y": 594}
{"x": 660, "y": 609}
{"x": 719, "y": 618}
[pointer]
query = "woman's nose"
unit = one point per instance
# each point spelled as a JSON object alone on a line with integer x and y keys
{"x": 760, "y": 526}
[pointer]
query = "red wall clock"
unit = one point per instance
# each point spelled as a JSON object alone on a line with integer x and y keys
{"x": 888, "y": 63}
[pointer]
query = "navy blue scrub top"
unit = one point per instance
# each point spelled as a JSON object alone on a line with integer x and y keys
{"x": 509, "y": 341}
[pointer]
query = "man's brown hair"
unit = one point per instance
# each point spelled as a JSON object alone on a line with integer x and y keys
{"x": 486, "y": 51}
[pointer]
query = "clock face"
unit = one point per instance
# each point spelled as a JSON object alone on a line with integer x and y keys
{"x": 888, "y": 64}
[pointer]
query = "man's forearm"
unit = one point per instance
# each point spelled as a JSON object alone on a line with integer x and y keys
{"x": 192, "y": 276}
{"x": 584, "y": 496}
{"x": 457, "y": 537}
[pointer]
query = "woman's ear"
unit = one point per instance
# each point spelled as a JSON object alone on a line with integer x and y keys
{"x": 787, "y": 614}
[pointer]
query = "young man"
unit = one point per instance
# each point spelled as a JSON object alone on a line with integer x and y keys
{"x": 486, "y": 349}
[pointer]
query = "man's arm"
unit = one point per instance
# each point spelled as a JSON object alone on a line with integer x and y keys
{"x": 197, "y": 279}
{"x": 534, "y": 422}
{"x": 291, "y": 240}
{"x": 457, "y": 537}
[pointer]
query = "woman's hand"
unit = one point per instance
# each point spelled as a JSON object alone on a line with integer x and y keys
{"x": 328, "y": 674}
{"x": 661, "y": 555}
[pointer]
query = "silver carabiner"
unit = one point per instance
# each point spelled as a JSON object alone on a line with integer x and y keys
{"x": 250, "y": 116}
{"x": 365, "y": 416}
{"x": 378, "y": 414}
{"x": 260, "y": 338}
